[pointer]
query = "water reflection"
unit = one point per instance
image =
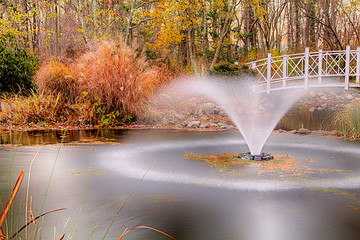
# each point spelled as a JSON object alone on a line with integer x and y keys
{"x": 316, "y": 120}
{"x": 42, "y": 137}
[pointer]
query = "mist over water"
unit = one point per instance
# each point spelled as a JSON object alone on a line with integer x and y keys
{"x": 254, "y": 113}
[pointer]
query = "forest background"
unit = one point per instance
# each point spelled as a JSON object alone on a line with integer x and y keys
{"x": 96, "y": 62}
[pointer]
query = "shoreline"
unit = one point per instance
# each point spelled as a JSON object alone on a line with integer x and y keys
{"x": 203, "y": 115}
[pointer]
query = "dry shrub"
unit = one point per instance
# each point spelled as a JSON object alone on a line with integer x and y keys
{"x": 56, "y": 77}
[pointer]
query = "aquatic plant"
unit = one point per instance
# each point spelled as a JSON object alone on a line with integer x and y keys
{"x": 281, "y": 165}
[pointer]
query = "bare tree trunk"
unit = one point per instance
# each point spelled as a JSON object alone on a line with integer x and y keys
{"x": 79, "y": 10}
{"x": 224, "y": 31}
{"x": 290, "y": 26}
{"x": 309, "y": 36}
{"x": 205, "y": 42}
{"x": 57, "y": 19}
{"x": 183, "y": 49}
{"x": 35, "y": 29}
{"x": 129, "y": 23}
{"x": 297, "y": 27}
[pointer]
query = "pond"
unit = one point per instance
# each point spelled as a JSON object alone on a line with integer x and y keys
{"x": 185, "y": 197}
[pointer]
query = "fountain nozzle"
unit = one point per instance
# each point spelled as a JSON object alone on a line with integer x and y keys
{"x": 262, "y": 156}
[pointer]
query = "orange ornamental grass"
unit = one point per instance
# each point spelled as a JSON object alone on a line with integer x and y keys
{"x": 117, "y": 78}
{"x": 112, "y": 77}
{"x": 57, "y": 77}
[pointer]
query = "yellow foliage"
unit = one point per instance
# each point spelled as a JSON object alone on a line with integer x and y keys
{"x": 170, "y": 20}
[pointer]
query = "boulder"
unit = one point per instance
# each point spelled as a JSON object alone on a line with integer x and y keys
{"x": 204, "y": 125}
{"x": 222, "y": 125}
{"x": 349, "y": 96}
{"x": 222, "y": 113}
{"x": 209, "y": 108}
{"x": 194, "y": 124}
{"x": 303, "y": 131}
{"x": 179, "y": 117}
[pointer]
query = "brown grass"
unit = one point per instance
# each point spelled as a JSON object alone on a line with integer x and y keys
{"x": 35, "y": 108}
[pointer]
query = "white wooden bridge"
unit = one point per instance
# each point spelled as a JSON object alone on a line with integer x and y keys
{"x": 309, "y": 70}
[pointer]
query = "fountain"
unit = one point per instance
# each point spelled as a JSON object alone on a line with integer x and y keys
{"x": 254, "y": 113}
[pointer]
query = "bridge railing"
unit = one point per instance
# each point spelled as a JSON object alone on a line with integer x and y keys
{"x": 309, "y": 69}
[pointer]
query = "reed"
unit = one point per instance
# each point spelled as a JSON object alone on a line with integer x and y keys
{"x": 347, "y": 121}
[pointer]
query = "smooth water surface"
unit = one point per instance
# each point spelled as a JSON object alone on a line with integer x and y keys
{"x": 186, "y": 198}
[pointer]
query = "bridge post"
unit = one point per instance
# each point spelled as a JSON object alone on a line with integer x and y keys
{"x": 268, "y": 75}
{"x": 358, "y": 65}
{"x": 320, "y": 63}
{"x": 347, "y": 67}
{"x": 253, "y": 65}
{"x": 285, "y": 62}
{"x": 306, "y": 76}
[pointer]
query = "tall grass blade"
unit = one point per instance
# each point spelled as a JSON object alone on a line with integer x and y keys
{"x": 56, "y": 103}
{"x": 127, "y": 199}
{"x": 28, "y": 187}
{"x": 36, "y": 218}
{"x": 83, "y": 199}
{"x": 51, "y": 174}
{"x": 92, "y": 232}
{"x": 146, "y": 227}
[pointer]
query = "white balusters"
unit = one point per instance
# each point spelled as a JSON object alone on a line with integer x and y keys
{"x": 285, "y": 63}
{"x": 268, "y": 75}
{"x": 320, "y": 63}
{"x": 358, "y": 65}
{"x": 347, "y": 67}
{"x": 306, "y": 76}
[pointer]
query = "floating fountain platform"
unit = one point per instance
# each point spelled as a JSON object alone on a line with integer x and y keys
{"x": 261, "y": 157}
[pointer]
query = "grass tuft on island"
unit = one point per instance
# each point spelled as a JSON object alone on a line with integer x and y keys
{"x": 282, "y": 166}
